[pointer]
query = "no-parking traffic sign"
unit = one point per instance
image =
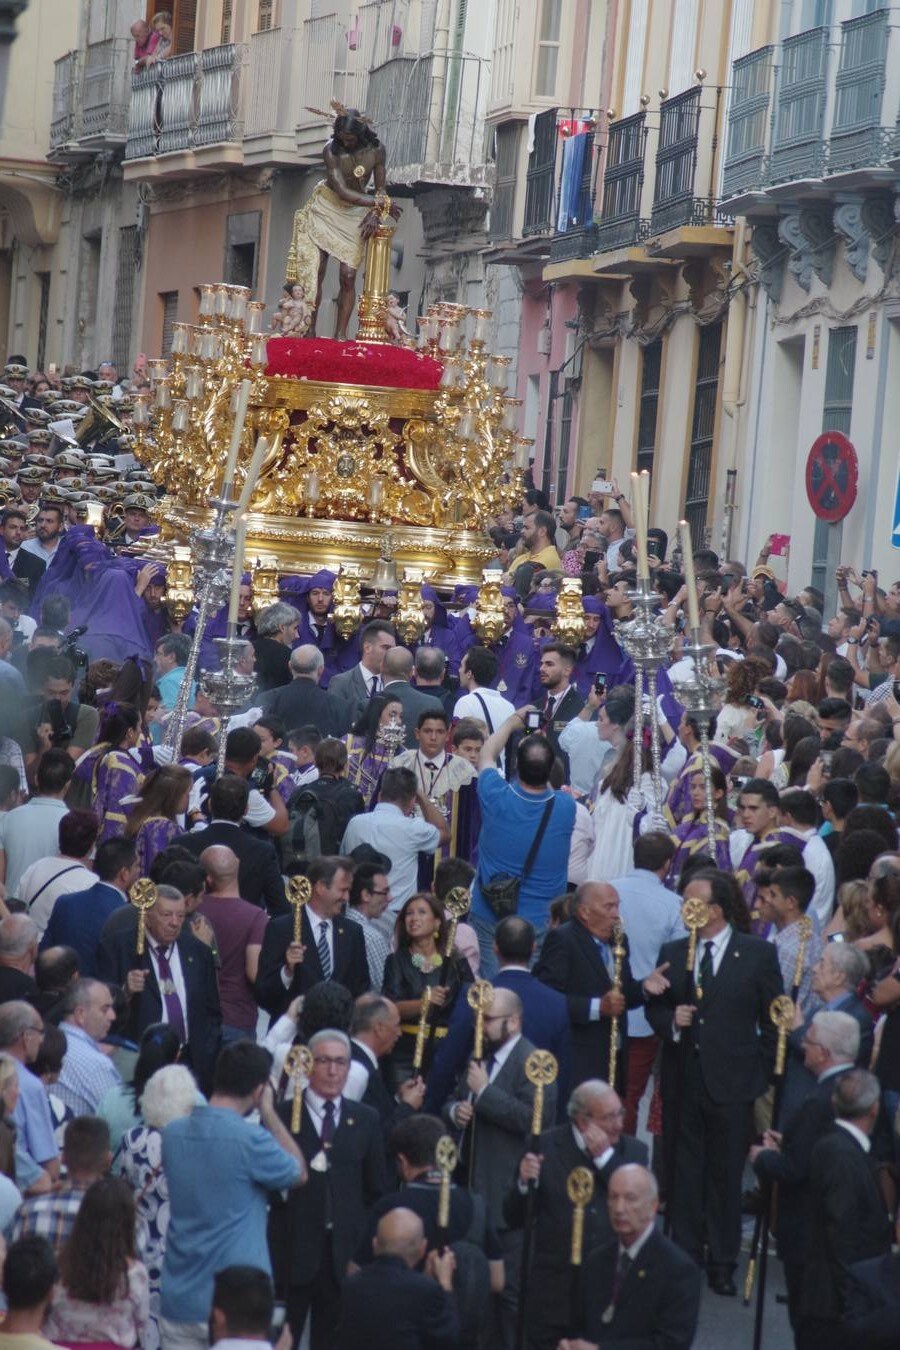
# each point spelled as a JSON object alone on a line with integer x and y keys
{"x": 832, "y": 472}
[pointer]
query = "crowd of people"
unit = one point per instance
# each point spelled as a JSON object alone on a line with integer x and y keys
{"x": 172, "y": 1163}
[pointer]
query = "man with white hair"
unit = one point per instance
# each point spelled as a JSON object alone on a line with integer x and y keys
{"x": 276, "y": 632}
{"x": 314, "y": 1234}
{"x": 19, "y": 939}
{"x": 836, "y": 976}
{"x": 639, "y": 1289}
{"x": 303, "y": 702}
{"x": 591, "y": 1137}
{"x": 830, "y": 1047}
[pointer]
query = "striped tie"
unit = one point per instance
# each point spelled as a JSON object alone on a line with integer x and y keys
{"x": 323, "y": 950}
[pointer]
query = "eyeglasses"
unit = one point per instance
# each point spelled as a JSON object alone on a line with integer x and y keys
{"x": 35, "y": 1031}
{"x": 333, "y": 1061}
{"x": 386, "y": 891}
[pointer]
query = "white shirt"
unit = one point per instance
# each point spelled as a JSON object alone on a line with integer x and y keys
{"x": 719, "y": 944}
{"x": 37, "y": 548}
{"x": 401, "y": 837}
{"x": 46, "y": 880}
{"x": 613, "y": 549}
{"x": 499, "y": 709}
{"x": 587, "y": 753}
{"x": 368, "y": 677}
{"x": 322, "y": 927}
{"x": 358, "y": 1078}
{"x": 817, "y": 860}
{"x": 177, "y": 980}
{"x": 632, "y": 1251}
{"x": 859, "y": 1135}
{"x": 602, "y": 1159}
{"x": 581, "y": 846}
{"x": 316, "y": 1107}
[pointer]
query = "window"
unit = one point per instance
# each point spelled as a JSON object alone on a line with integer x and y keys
{"x": 706, "y": 390}
{"x": 126, "y": 271}
{"x": 548, "y": 49}
{"x": 227, "y": 8}
{"x": 242, "y": 232}
{"x": 169, "y": 315}
{"x": 266, "y": 16}
{"x": 676, "y": 161}
{"x": 836, "y": 414}
{"x": 539, "y": 180}
{"x": 506, "y": 164}
{"x": 861, "y": 73}
{"x": 43, "y": 315}
{"x": 650, "y": 374}
{"x": 565, "y": 441}
{"x": 748, "y": 120}
{"x": 623, "y": 181}
{"x": 797, "y": 147}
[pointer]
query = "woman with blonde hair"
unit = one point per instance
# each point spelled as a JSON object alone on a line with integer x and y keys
{"x": 153, "y": 822}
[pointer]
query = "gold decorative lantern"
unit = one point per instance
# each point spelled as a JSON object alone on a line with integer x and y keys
{"x": 489, "y": 621}
{"x": 179, "y": 583}
{"x": 346, "y": 608}
{"x": 410, "y": 617}
{"x": 569, "y": 624}
{"x": 265, "y": 583}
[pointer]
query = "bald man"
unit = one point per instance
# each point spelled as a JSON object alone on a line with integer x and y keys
{"x": 577, "y": 958}
{"x": 239, "y": 928}
{"x": 390, "y": 1305}
{"x": 639, "y": 1289}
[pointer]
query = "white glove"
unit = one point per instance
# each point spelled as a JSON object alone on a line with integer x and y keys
{"x": 163, "y": 754}
{"x": 244, "y": 719}
{"x": 653, "y": 823}
{"x": 635, "y": 799}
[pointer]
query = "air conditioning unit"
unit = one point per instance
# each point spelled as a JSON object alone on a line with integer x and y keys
{"x": 544, "y": 342}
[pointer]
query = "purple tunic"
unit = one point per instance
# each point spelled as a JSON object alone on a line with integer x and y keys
{"x": 116, "y": 775}
{"x": 517, "y": 677}
{"x": 691, "y": 837}
{"x": 154, "y": 835}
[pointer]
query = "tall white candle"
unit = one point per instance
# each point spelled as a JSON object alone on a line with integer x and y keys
{"x": 240, "y": 417}
{"x": 234, "y": 598}
{"x": 639, "y": 512}
{"x": 687, "y": 552}
{"x": 253, "y": 468}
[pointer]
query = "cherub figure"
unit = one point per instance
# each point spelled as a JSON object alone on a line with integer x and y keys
{"x": 294, "y": 313}
{"x": 395, "y": 321}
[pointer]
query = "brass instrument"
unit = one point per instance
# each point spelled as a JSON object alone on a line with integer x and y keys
{"x": 618, "y": 951}
{"x": 98, "y": 425}
{"x": 299, "y": 891}
{"x": 143, "y": 895}
{"x": 298, "y": 1064}
{"x": 580, "y": 1190}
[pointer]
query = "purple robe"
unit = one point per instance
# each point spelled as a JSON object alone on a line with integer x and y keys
{"x": 692, "y": 837}
{"x": 154, "y": 835}
{"x": 115, "y": 776}
{"x": 745, "y": 869}
{"x": 441, "y": 634}
{"x": 605, "y": 654}
{"x": 517, "y": 676}
{"x": 365, "y": 766}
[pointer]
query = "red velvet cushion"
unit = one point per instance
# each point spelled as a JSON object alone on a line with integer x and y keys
{"x": 353, "y": 363}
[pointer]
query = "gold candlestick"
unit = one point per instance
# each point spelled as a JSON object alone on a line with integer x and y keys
{"x": 541, "y": 1069}
{"x": 298, "y": 1062}
{"x": 422, "y": 1030}
{"x": 143, "y": 896}
{"x": 479, "y": 998}
{"x": 619, "y": 952}
{"x": 580, "y": 1190}
{"x": 299, "y": 890}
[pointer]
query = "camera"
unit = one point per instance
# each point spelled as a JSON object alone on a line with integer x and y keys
{"x": 53, "y": 713}
{"x": 826, "y": 757}
{"x": 69, "y": 648}
{"x": 753, "y": 701}
{"x": 533, "y": 720}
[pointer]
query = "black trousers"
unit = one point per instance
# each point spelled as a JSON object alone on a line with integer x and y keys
{"x": 709, "y": 1156}
{"x": 320, "y": 1299}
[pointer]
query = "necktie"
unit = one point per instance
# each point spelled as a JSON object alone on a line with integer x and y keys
{"x": 323, "y": 950}
{"x": 706, "y": 964}
{"x": 327, "y": 1123}
{"x": 373, "y": 685}
{"x": 623, "y": 1265}
{"x": 174, "y": 1010}
{"x": 549, "y": 710}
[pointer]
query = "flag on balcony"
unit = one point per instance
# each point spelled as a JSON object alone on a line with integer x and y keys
{"x": 574, "y": 201}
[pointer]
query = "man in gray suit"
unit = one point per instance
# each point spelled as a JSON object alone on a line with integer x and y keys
{"x": 356, "y": 686}
{"x": 396, "y": 673}
{"x": 493, "y": 1105}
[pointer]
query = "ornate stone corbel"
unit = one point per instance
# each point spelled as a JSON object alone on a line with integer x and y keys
{"x": 799, "y": 263}
{"x": 880, "y": 217}
{"x": 851, "y": 226}
{"x": 817, "y": 224}
{"x": 768, "y": 250}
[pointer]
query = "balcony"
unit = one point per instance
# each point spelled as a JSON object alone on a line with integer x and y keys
{"x": 271, "y": 99}
{"x": 190, "y": 108}
{"x": 620, "y": 224}
{"x": 676, "y": 162}
{"x": 540, "y": 178}
{"x": 429, "y": 111}
{"x": 90, "y": 100}
{"x": 798, "y": 143}
{"x": 748, "y": 123}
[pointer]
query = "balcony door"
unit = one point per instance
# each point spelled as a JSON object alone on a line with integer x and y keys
{"x": 184, "y": 22}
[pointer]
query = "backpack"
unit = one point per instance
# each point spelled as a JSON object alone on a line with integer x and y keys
{"x": 314, "y": 828}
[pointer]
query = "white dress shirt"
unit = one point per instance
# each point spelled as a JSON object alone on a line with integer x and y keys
{"x": 719, "y": 944}
{"x": 367, "y": 679}
{"x": 859, "y": 1135}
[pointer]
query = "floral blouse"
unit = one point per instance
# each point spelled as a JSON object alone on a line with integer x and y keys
{"x": 121, "y": 1322}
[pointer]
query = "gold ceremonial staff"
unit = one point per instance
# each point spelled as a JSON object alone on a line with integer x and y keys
{"x": 143, "y": 895}
{"x": 299, "y": 890}
{"x": 619, "y": 952}
{"x": 694, "y": 916}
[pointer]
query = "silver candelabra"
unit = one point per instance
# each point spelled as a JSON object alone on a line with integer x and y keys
{"x": 228, "y": 688}
{"x": 648, "y": 642}
{"x": 212, "y": 549}
{"x": 702, "y": 698}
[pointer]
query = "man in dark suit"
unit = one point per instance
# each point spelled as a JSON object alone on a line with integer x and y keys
{"x": 640, "y": 1290}
{"x": 592, "y": 1138}
{"x": 259, "y": 877}
{"x": 872, "y": 1304}
{"x": 493, "y": 1104}
{"x": 830, "y": 1047}
{"x": 396, "y": 673}
{"x": 545, "y": 1017}
{"x": 561, "y": 700}
{"x": 357, "y": 685}
{"x": 78, "y": 918}
{"x": 28, "y": 567}
{"x": 18, "y": 949}
{"x": 836, "y": 976}
{"x": 302, "y": 703}
{"x": 389, "y": 1305}
{"x": 174, "y": 981}
{"x": 374, "y": 1031}
{"x": 577, "y": 959}
{"x": 848, "y": 1219}
{"x": 330, "y": 947}
{"x": 315, "y": 1232}
{"x": 718, "y": 1057}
